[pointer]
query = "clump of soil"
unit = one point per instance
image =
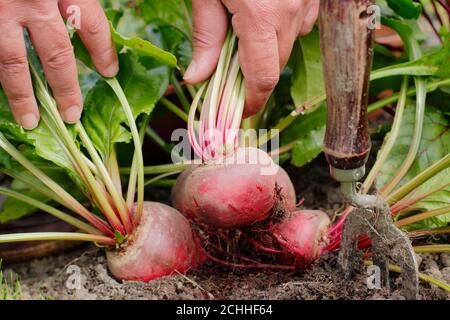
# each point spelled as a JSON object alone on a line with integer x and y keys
{"x": 82, "y": 274}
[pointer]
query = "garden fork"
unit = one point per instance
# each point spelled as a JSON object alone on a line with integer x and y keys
{"x": 346, "y": 34}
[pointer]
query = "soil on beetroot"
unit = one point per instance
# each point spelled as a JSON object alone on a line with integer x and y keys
{"x": 82, "y": 274}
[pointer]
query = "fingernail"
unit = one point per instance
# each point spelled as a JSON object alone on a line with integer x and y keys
{"x": 29, "y": 121}
{"x": 111, "y": 71}
{"x": 72, "y": 114}
{"x": 190, "y": 72}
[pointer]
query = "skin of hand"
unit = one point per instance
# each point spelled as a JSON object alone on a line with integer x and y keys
{"x": 44, "y": 22}
{"x": 266, "y": 29}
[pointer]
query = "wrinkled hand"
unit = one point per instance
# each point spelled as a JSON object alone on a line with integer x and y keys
{"x": 266, "y": 29}
{"x": 44, "y": 21}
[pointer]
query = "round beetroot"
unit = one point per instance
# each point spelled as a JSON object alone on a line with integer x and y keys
{"x": 179, "y": 194}
{"x": 230, "y": 192}
{"x": 163, "y": 243}
{"x": 304, "y": 234}
{"x": 287, "y": 190}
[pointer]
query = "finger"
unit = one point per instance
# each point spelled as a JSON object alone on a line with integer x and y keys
{"x": 286, "y": 40}
{"x": 95, "y": 33}
{"x": 260, "y": 63}
{"x": 310, "y": 17}
{"x": 289, "y": 25}
{"x": 52, "y": 43}
{"x": 15, "y": 76}
{"x": 210, "y": 28}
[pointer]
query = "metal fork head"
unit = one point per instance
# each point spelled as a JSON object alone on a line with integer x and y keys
{"x": 372, "y": 217}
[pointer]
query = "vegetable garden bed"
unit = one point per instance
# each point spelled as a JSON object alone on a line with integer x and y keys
{"x": 47, "y": 278}
{"x": 237, "y": 233}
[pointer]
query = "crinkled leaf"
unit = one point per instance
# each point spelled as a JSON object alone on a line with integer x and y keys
{"x": 173, "y": 13}
{"x": 434, "y": 145}
{"x": 41, "y": 138}
{"x": 307, "y": 76}
{"x": 48, "y": 148}
{"x": 434, "y": 201}
{"x": 104, "y": 118}
{"x": 143, "y": 47}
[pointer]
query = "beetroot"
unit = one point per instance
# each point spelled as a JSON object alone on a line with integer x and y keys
{"x": 179, "y": 195}
{"x": 229, "y": 192}
{"x": 163, "y": 243}
{"x": 303, "y": 234}
{"x": 287, "y": 191}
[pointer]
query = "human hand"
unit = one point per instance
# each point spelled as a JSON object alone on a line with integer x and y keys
{"x": 44, "y": 21}
{"x": 267, "y": 30}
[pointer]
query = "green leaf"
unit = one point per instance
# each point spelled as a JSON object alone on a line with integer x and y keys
{"x": 81, "y": 53}
{"x": 444, "y": 54}
{"x": 308, "y": 147}
{"x": 5, "y": 159}
{"x": 46, "y": 146}
{"x": 132, "y": 24}
{"x": 308, "y": 75}
{"x": 173, "y": 13}
{"x": 114, "y": 15}
{"x": 143, "y": 47}
{"x": 406, "y": 29}
{"x": 431, "y": 64}
{"x": 13, "y": 209}
{"x": 434, "y": 201}
{"x": 41, "y": 138}
{"x": 407, "y": 9}
{"x": 303, "y": 124}
{"x": 8, "y": 125}
{"x": 308, "y": 131}
{"x": 172, "y": 40}
{"x": 435, "y": 144}
{"x": 87, "y": 79}
{"x": 104, "y": 118}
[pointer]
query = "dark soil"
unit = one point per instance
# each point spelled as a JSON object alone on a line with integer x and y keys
{"x": 82, "y": 274}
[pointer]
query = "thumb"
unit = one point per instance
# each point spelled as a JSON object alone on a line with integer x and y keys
{"x": 210, "y": 28}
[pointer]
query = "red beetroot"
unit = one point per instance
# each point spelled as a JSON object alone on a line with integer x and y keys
{"x": 230, "y": 192}
{"x": 304, "y": 234}
{"x": 162, "y": 244}
{"x": 283, "y": 181}
{"x": 288, "y": 195}
{"x": 179, "y": 194}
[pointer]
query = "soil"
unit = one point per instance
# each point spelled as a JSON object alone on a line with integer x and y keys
{"x": 82, "y": 274}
